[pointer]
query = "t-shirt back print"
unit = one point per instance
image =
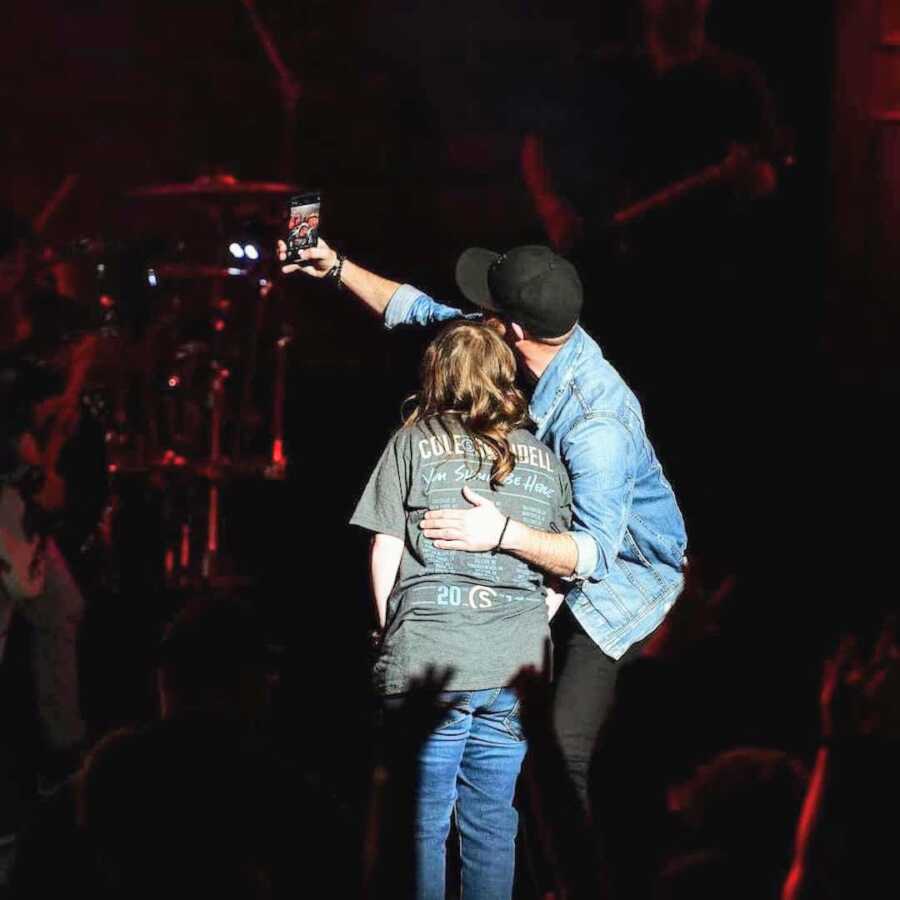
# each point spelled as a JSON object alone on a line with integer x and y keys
{"x": 481, "y": 613}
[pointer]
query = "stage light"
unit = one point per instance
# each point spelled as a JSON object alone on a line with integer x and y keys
{"x": 250, "y": 251}
{"x": 152, "y": 280}
{"x": 236, "y": 250}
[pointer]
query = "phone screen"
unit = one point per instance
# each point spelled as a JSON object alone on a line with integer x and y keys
{"x": 303, "y": 224}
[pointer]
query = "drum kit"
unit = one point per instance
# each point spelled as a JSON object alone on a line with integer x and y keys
{"x": 189, "y": 377}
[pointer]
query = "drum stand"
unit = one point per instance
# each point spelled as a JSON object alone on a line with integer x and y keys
{"x": 278, "y": 463}
{"x": 217, "y": 405}
{"x": 275, "y": 469}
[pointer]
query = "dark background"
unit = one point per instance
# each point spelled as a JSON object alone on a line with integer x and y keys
{"x": 409, "y": 120}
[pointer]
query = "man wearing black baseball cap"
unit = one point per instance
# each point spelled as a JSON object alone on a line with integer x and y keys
{"x": 625, "y": 554}
{"x": 531, "y": 286}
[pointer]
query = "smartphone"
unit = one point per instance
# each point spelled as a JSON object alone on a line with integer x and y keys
{"x": 303, "y": 224}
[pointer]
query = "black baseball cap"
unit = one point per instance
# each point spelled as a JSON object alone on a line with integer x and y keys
{"x": 531, "y": 285}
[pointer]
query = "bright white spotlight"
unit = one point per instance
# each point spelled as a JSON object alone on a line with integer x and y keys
{"x": 250, "y": 251}
{"x": 236, "y": 250}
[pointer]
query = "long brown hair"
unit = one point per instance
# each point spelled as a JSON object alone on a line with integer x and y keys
{"x": 468, "y": 376}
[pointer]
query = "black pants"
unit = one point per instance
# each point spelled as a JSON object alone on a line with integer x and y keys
{"x": 585, "y": 692}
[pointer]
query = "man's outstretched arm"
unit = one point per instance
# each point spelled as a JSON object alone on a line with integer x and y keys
{"x": 480, "y": 528}
{"x": 318, "y": 261}
{"x": 399, "y": 304}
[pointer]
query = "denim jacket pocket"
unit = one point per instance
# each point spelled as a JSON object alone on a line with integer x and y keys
{"x": 635, "y": 551}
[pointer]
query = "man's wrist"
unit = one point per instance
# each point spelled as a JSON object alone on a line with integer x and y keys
{"x": 499, "y": 545}
{"x": 335, "y": 273}
{"x": 514, "y": 537}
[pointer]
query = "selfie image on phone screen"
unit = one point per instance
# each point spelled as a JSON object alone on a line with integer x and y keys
{"x": 303, "y": 224}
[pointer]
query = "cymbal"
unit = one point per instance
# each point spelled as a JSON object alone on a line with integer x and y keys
{"x": 216, "y": 187}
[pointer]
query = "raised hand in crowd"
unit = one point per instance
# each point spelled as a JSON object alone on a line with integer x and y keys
{"x": 388, "y": 843}
{"x": 694, "y": 618}
{"x": 860, "y": 696}
{"x": 563, "y": 827}
{"x": 421, "y": 708}
{"x": 842, "y": 845}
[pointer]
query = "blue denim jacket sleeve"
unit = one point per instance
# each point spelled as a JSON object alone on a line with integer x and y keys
{"x": 599, "y": 454}
{"x": 409, "y": 306}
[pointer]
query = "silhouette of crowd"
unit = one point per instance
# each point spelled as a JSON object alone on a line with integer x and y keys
{"x": 205, "y": 801}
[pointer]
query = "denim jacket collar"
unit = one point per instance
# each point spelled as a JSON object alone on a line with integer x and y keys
{"x": 555, "y": 379}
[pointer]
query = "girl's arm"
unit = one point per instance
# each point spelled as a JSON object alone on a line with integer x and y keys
{"x": 384, "y": 563}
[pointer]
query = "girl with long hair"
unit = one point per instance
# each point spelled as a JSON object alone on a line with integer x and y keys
{"x": 481, "y": 616}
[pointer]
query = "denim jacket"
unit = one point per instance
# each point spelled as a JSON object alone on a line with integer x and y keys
{"x": 626, "y": 520}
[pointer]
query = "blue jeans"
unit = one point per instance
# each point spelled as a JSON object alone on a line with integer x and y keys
{"x": 470, "y": 763}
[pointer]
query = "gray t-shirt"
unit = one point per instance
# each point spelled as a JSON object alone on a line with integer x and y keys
{"x": 483, "y": 614}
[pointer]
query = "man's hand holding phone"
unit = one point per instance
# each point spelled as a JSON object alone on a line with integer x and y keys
{"x": 321, "y": 262}
{"x": 317, "y": 261}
